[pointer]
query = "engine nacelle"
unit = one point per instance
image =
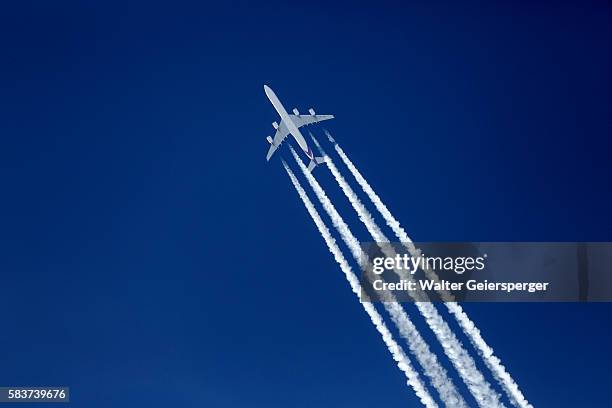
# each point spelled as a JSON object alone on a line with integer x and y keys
{"x": 296, "y": 112}
{"x": 275, "y": 125}
{"x": 269, "y": 139}
{"x": 311, "y": 111}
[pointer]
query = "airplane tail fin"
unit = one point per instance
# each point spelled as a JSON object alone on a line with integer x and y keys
{"x": 316, "y": 161}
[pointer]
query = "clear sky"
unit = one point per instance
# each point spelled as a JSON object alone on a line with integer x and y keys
{"x": 151, "y": 257}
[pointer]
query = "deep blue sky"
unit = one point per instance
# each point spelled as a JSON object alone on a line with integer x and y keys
{"x": 151, "y": 257}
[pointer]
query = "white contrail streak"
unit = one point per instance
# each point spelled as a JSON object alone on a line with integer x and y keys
{"x": 492, "y": 362}
{"x": 426, "y": 358}
{"x": 403, "y": 363}
{"x": 460, "y": 358}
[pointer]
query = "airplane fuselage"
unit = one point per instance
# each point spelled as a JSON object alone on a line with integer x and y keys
{"x": 295, "y": 132}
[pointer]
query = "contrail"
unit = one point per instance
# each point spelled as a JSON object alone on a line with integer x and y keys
{"x": 494, "y": 364}
{"x": 460, "y": 358}
{"x": 403, "y": 363}
{"x": 426, "y": 358}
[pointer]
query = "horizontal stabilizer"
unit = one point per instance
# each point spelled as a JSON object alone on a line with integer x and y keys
{"x": 316, "y": 161}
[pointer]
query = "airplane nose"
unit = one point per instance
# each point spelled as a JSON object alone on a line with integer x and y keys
{"x": 268, "y": 91}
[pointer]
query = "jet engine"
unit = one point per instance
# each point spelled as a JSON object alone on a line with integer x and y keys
{"x": 296, "y": 112}
{"x": 269, "y": 139}
{"x": 275, "y": 125}
{"x": 311, "y": 111}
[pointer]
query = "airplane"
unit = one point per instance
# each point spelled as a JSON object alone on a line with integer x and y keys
{"x": 290, "y": 125}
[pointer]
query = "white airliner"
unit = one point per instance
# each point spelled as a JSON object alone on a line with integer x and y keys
{"x": 290, "y": 125}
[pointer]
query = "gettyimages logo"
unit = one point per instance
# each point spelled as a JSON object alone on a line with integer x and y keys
{"x": 457, "y": 264}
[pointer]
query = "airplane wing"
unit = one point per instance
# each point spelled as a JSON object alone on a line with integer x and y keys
{"x": 281, "y": 134}
{"x": 299, "y": 120}
{"x": 303, "y": 120}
